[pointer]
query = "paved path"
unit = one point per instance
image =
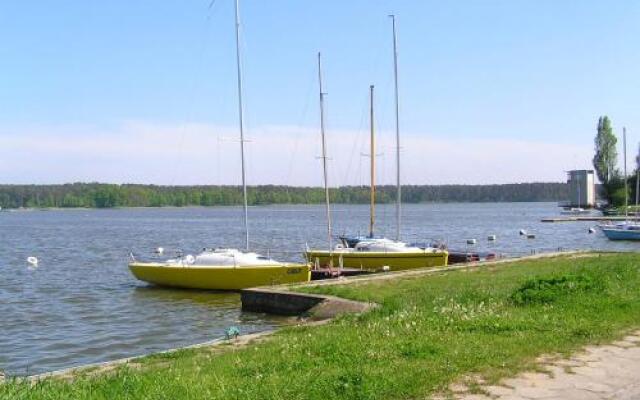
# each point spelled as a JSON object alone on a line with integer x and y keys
{"x": 600, "y": 372}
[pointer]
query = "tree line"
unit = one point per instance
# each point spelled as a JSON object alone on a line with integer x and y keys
{"x": 100, "y": 195}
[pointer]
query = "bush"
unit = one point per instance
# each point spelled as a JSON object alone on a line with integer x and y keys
{"x": 549, "y": 290}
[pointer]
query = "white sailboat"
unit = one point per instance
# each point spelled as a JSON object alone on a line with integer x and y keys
{"x": 223, "y": 269}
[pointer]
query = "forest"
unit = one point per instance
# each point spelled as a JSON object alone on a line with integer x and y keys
{"x": 101, "y": 195}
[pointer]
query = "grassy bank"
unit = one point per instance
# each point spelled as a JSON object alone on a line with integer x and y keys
{"x": 429, "y": 331}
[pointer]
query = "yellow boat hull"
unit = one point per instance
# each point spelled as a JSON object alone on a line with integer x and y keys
{"x": 220, "y": 277}
{"x": 378, "y": 261}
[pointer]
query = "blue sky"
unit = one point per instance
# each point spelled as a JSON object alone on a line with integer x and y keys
{"x": 491, "y": 91}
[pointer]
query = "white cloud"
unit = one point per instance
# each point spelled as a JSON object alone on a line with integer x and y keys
{"x": 194, "y": 153}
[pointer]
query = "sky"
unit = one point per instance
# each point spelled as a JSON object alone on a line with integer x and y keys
{"x": 145, "y": 92}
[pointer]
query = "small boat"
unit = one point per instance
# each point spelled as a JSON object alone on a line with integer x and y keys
{"x": 223, "y": 269}
{"x": 627, "y": 230}
{"x": 372, "y": 253}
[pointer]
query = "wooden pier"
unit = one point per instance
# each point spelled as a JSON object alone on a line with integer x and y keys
{"x": 588, "y": 218}
{"x": 329, "y": 273}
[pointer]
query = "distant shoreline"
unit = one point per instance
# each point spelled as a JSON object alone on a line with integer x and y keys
{"x": 43, "y": 209}
{"x": 100, "y": 195}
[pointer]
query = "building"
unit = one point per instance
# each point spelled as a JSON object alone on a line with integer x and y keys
{"x": 582, "y": 188}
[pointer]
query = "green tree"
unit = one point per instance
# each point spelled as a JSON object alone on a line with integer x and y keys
{"x": 606, "y": 156}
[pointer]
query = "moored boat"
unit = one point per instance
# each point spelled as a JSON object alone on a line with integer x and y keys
{"x": 626, "y": 230}
{"x": 379, "y": 254}
{"x": 372, "y": 253}
{"x": 223, "y": 269}
{"x": 220, "y": 269}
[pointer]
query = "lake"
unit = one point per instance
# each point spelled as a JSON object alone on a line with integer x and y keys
{"x": 81, "y": 305}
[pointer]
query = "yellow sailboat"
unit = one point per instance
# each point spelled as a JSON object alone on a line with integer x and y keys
{"x": 223, "y": 269}
{"x": 220, "y": 269}
{"x": 371, "y": 253}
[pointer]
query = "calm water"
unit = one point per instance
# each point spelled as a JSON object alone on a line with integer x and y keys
{"x": 81, "y": 305}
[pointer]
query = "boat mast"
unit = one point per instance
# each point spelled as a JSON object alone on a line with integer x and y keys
{"x": 324, "y": 153}
{"x": 373, "y": 164}
{"x": 637, "y": 181}
{"x": 626, "y": 183}
{"x": 241, "y": 124}
{"x": 395, "y": 76}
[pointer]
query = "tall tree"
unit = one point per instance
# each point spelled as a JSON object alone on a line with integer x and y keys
{"x": 606, "y": 157}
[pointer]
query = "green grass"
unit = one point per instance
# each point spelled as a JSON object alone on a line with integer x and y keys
{"x": 429, "y": 331}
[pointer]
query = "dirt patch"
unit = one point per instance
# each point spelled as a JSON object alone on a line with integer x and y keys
{"x": 598, "y": 372}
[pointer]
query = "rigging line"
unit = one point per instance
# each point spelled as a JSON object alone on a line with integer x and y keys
{"x": 195, "y": 78}
{"x": 210, "y": 9}
{"x": 296, "y": 143}
{"x": 356, "y": 140}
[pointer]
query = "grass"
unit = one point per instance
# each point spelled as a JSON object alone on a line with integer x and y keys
{"x": 430, "y": 331}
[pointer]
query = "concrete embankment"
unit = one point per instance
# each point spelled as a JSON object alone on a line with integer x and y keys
{"x": 310, "y": 306}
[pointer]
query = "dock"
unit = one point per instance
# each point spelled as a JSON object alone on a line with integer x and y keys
{"x": 328, "y": 273}
{"x": 582, "y": 218}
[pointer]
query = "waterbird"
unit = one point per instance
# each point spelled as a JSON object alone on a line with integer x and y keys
{"x": 592, "y": 229}
{"x": 491, "y": 238}
{"x": 159, "y": 251}
{"x": 471, "y": 241}
{"x": 522, "y": 232}
{"x": 531, "y": 236}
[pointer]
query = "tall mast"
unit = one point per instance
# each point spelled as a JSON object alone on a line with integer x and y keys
{"x": 395, "y": 76}
{"x": 637, "y": 181}
{"x": 241, "y": 124}
{"x": 373, "y": 164}
{"x": 626, "y": 183}
{"x": 324, "y": 153}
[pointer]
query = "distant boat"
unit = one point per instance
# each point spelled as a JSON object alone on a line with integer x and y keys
{"x": 374, "y": 253}
{"x": 223, "y": 269}
{"x": 575, "y": 211}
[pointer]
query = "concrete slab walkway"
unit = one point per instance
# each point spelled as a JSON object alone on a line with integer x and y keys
{"x": 599, "y": 372}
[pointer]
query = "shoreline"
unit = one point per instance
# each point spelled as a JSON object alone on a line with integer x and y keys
{"x": 424, "y": 331}
{"x": 169, "y": 207}
{"x": 333, "y": 306}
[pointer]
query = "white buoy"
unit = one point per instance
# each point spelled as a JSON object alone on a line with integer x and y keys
{"x": 471, "y": 241}
{"x": 159, "y": 251}
{"x": 33, "y": 261}
{"x": 522, "y": 232}
{"x": 491, "y": 238}
{"x": 592, "y": 230}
